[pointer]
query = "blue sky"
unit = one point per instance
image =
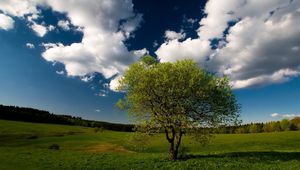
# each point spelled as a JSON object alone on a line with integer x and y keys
{"x": 66, "y": 57}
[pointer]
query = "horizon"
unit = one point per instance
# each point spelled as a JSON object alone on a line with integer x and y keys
{"x": 66, "y": 57}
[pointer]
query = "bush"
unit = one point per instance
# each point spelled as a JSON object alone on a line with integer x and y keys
{"x": 254, "y": 128}
{"x": 272, "y": 127}
{"x": 285, "y": 125}
{"x": 98, "y": 129}
{"x": 54, "y": 147}
{"x": 295, "y": 123}
{"x": 242, "y": 129}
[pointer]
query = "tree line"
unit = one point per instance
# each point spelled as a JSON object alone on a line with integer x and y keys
{"x": 273, "y": 126}
{"x": 40, "y": 116}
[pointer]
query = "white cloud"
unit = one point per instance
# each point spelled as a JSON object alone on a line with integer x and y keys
{"x": 32, "y": 17}
{"x": 30, "y": 45}
{"x": 172, "y": 35}
{"x": 277, "y": 77}
{"x": 101, "y": 94}
{"x": 261, "y": 48}
{"x": 155, "y": 44}
{"x": 190, "y": 48}
{"x": 98, "y": 110}
{"x": 191, "y": 20}
{"x": 130, "y": 25}
{"x": 87, "y": 78}
{"x": 6, "y": 22}
{"x": 105, "y": 25}
{"x": 102, "y": 48}
{"x": 64, "y": 24}
{"x": 114, "y": 83}
{"x": 19, "y": 8}
{"x": 277, "y": 115}
{"x": 51, "y": 45}
{"x": 40, "y": 30}
{"x": 51, "y": 28}
{"x": 60, "y": 72}
{"x": 141, "y": 52}
{"x": 104, "y": 91}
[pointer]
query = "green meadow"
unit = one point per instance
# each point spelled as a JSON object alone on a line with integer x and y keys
{"x": 44, "y": 146}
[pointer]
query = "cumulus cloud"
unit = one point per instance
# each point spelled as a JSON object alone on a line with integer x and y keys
{"x": 64, "y": 24}
{"x": 105, "y": 25}
{"x": 30, "y": 45}
{"x": 6, "y": 22}
{"x": 173, "y": 50}
{"x": 191, "y": 20}
{"x": 114, "y": 84}
{"x": 40, "y": 30}
{"x": 102, "y": 48}
{"x": 87, "y": 78}
{"x": 19, "y": 8}
{"x": 172, "y": 35}
{"x": 141, "y": 52}
{"x": 98, "y": 110}
{"x": 277, "y": 115}
{"x": 257, "y": 41}
{"x": 50, "y": 28}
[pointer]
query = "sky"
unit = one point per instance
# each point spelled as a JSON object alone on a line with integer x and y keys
{"x": 67, "y": 56}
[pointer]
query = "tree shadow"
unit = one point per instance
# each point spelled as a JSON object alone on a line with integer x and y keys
{"x": 263, "y": 156}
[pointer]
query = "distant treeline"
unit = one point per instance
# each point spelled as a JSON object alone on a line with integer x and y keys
{"x": 40, "y": 116}
{"x": 274, "y": 126}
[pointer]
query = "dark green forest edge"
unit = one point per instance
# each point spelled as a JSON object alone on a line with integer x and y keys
{"x": 40, "y": 116}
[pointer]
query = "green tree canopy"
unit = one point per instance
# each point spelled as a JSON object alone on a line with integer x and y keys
{"x": 285, "y": 124}
{"x": 176, "y": 98}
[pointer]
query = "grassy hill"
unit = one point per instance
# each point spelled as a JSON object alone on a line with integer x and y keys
{"x": 30, "y": 146}
{"x": 16, "y": 113}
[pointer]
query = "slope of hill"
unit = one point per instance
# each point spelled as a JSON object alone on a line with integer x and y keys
{"x": 26, "y": 145}
{"x": 40, "y": 116}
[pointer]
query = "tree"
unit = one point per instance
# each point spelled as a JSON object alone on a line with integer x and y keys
{"x": 242, "y": 129}
{"x": 285, "y": 125}
{"x": 267, "y": 127}
{"x": 295, "y": 123}
{"x": 272, "y": 127}
{"x": 177, "y": 99}
{"x": 254, "y": 128}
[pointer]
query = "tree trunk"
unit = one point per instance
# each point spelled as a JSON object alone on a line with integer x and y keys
{"x": 172, "y": 153}
{"x": 178, "y": 144}
{"x": 173, "y": 150}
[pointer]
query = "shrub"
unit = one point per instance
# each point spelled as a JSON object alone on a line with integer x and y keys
{"x": 98, "y": 129}
{"x": 254, "y": 128}
{"x": 285, "y": 125}
{"x": 295, "y": 123}
{"x": 54, "y": 147}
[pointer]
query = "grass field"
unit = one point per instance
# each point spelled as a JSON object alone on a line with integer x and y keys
{"x": 26, "y": 146}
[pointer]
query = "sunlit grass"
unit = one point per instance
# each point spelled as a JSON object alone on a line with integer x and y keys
{"x": 82, "y": 148}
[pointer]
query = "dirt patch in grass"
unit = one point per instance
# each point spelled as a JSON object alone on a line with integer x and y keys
{"x": 107, "y": 147}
